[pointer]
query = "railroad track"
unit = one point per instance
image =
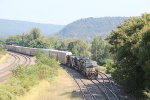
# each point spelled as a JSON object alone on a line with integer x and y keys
{"x": 100, "y": 89}
{"x": 18, "y": 59}
{"x": 116, "y": 89}
{"x": 27, "y": 60}
{"x": 88, "y": 90}
{"x": 107, "y": 87}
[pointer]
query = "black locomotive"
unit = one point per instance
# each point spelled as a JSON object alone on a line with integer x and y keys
{"x": 86, "y": 66}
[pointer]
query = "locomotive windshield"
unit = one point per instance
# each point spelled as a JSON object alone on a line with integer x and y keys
{"x": 90, "y": 64}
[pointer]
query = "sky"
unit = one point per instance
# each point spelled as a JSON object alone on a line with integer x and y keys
{"x": 63, "y": 12}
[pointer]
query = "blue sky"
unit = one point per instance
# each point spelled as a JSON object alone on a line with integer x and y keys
{"x": 66, "y": 11}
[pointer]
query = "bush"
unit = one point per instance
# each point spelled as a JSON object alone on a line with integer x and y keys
{"x": 23, "y": 79}
{"x": 2, "y": 50}
{"x": 13, "y": 86}
{"x": 4, "y": 95}
{"x": 109, "y": 65}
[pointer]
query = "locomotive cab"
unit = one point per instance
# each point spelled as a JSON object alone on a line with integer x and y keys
{"x": 90, "y": 69}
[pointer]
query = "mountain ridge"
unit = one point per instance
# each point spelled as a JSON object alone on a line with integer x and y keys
{"x": 15, "y": 27}
{"x": 91, "y": 27}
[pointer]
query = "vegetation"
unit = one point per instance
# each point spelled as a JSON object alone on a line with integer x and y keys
{"x": 131, "y": 46}
{"x": 53, "y": 90}
{"x": 23, "y": 79}
{"x": 79, "y": 48}
{"x": 36, "y": 40}
{"x": 90, "y": 27}
{"x": 2, "y": 51}
{"x": 100, "y": 51}
{"x": 31, "y": 39}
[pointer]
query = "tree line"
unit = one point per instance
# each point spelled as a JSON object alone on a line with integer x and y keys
{"x": 78, "y": 47}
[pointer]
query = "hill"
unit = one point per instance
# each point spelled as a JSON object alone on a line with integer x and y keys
{"x": 91, "y": 27}
{"x": 13, "y": 27}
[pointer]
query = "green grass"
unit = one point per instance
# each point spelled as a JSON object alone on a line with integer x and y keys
{"x": 101, "y": 68}
{"x": 24, "y": 79}
{"x": 53, "y": 90}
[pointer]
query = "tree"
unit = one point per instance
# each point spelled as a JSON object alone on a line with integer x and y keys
{"x": 35, "y": 33}
{"x": 100, "y": 50}
{"x": 131, "y": 46}
{"x": 31, "y": 39}
{"x": 79, "y": 48}
{"x": 15, "y": 40}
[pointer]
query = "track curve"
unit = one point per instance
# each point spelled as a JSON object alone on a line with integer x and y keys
{"x": 88, "y": 89}
{"x": 17, "y": 59}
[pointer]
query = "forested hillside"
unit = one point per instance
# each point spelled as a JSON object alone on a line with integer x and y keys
{"x": 12, "y": 27}
{"x": 91, "y": 27}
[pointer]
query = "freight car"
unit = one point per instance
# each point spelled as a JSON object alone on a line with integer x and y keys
{"x": 84, "y": 65}
{"x": 58, "y": 55}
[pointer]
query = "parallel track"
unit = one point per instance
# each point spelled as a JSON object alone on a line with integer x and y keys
{"x": 109, "y": 90}
{"x": 17, "y": 59}
{"x": 89, "y": 90}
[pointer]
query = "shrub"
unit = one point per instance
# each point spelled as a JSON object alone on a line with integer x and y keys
{"x": 4, "y": 95}
{"x": 109, "y": 65}
{"x": 13, "y": 86}
{"x": 24, "y": 78}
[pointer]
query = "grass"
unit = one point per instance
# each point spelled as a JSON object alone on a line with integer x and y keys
{"x": 101, "y": 69}
{"x": 61, "y": 88}
{"x": 4, "y": 58}
{"x": 45, "y": 80}
{"x": 24, "y": 79}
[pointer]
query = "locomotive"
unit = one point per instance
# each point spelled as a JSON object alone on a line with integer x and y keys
{"x": 84, "y": 65}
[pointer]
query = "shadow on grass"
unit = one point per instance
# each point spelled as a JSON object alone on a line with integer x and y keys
{"x": 74, "y": 94}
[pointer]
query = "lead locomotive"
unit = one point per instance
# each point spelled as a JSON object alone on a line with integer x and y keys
{"x": 85, "y": 66}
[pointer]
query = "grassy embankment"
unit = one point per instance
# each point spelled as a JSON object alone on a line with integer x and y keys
{"x": 38, "y": 82}
{"x": 3, "y": 56}
{"x": 62, "y": 88}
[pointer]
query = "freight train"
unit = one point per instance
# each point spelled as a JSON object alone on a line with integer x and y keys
{"x": 84, "y": 65}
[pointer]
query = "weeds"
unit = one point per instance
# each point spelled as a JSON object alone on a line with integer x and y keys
{"x": 23, "y": 79}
